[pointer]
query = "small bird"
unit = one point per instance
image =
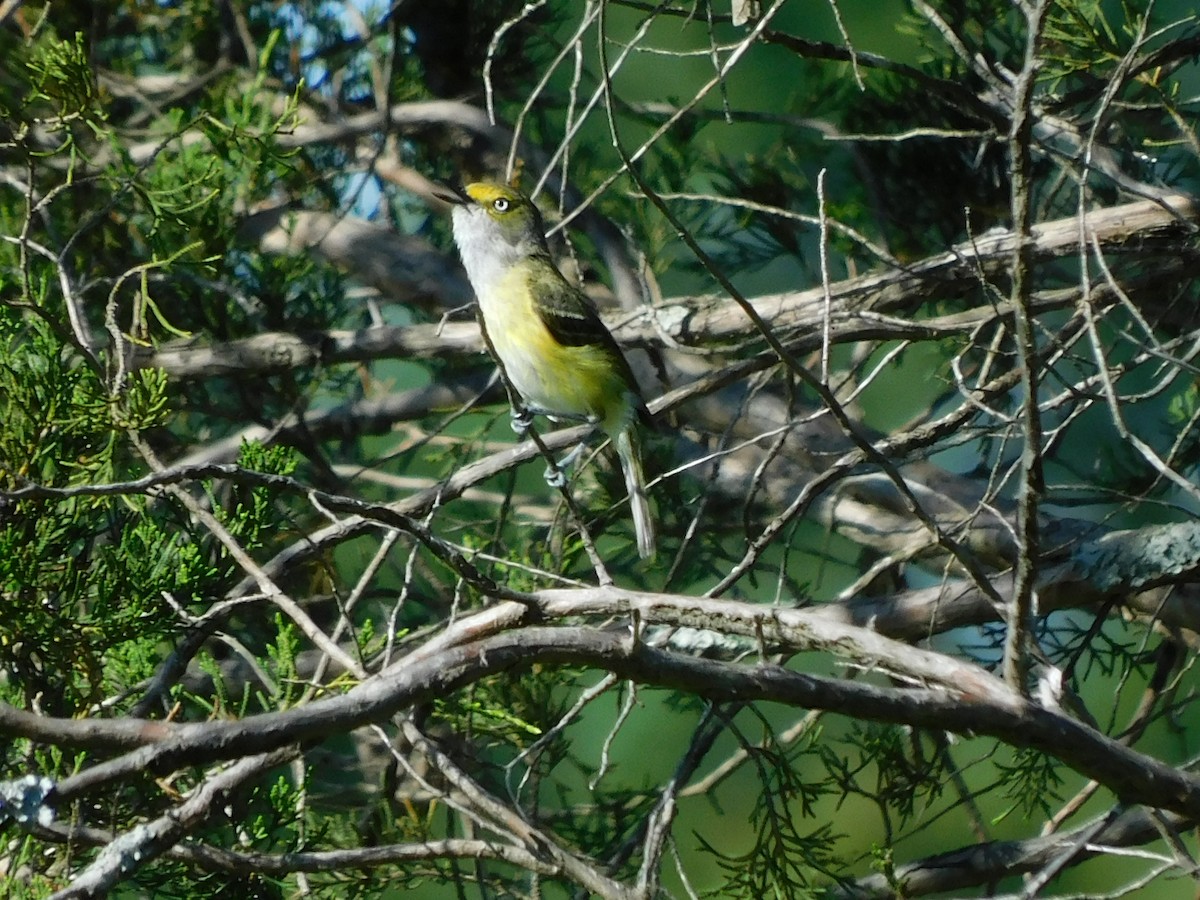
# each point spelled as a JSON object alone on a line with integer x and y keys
{"x": 553, "y": 347}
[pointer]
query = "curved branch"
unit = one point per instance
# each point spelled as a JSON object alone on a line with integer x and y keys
{"x": 220, "y": 859}
{"x": 975, "y": 707}
{"x": 982, "y": 864}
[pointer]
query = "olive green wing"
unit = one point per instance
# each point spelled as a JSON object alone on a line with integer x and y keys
{"x": 569, "y": 315}
{"x": 571, "y": 319}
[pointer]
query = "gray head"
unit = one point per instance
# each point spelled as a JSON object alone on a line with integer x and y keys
{"x": 495, "y": 226}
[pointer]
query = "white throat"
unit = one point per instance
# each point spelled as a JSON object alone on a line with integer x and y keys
{"x": 486, "y": 255}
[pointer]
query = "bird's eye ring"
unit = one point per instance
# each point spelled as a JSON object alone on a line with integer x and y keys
{"x": 500, "y": 204}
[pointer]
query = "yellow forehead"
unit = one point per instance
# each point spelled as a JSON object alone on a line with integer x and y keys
{"x": 484, "y": 192}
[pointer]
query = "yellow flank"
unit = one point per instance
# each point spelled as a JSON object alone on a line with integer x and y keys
{"x": 576, "y": 381}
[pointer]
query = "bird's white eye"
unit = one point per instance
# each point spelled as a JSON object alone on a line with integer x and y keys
{"x": 501, "y": 204}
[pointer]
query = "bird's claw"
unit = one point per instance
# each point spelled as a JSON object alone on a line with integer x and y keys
{"x": 556, "y": 473}
{"x": 571, "y": 458}
{"x": 521, "y": 420}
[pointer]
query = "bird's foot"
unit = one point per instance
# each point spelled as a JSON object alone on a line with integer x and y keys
{"x": 521, "y": 420}
{"x": 556, "y": 474}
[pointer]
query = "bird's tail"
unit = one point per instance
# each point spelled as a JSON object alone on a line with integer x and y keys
{"x": 629, "y": 451}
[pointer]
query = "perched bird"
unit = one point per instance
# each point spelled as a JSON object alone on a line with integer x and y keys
{"x": 552, "y": 346}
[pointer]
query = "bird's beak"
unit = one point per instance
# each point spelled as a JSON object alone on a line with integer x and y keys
{"x": 454, "y": 195}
